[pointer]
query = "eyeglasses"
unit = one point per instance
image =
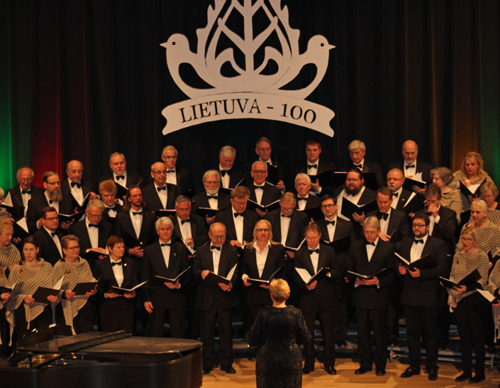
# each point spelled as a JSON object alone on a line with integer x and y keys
{"x": 262, "y": 230}
{"x": 95, "y": 215}
{"x": 164, "y": 172}
{"x": 26, "y": 179}
{"x": 259, "y": 171}
{"x": 73, "y": 248}
{"x": 327, "y": 206}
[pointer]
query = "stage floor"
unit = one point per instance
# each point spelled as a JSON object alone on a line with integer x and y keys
{"x": 345, "y": 378}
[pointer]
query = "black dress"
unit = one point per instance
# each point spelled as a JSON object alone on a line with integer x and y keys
{"x": 277, "y": 332}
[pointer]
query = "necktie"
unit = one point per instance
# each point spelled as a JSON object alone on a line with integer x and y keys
{"x": 418, "y": 241}
{"x": 224, "y": 172}
{"x": 286, "y": 216}
{"x": 238, "y": 214}
{"x": 332, "y": 223}
{"x": 79, "y": 185}
{"x": 93, "y": 226}
{"x": 383, "y": 215}
{"x": 116, "y": 263}
{"x": 26, "y": 192}
{"x": 118, "y": 177}
{"x": 395, "y": 194}
{"x": 214, "y": 247}
{"x": 312, "y": 166}
{"x": 162, "y": 188}
{"x": 170, "y": 171}
{"x": 411, "y": 166}
{"x": 165, "y": 245}
{"x": 259, "y": 187}
{"x": 183, "y": 222}
{"x": 137, "y": 213}
{"x": 369, "y": 243}
{"x": 311, "y": 251}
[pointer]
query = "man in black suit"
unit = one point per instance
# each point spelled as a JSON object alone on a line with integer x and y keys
{"x": 313, "y": 165}
{"x": 49, "y": 236}
{"x": 112, "y": 206}
{"x": 357, "y": 151}
{"x": 176, "y": 175}
{"x": 288, "y": 224}
{"x": 159, "y": 195}
{"x": 52, "y": 197}
{"x": 212, "y": 197}
{"x": 21, "y": 194}
{"x": 305, "y": 200}
{"x": 119, "y": 174}
{"x": 231, "y": 175}
{"x": 264, "y": 149}
{"x": 165, "y": 258}
{"x": 421, "y": 296}
{"x": 238, "y": 220}
{"x": 395, "y": 181}
{"x": 370, "y": 296}
{"x": 262, "y": 192}
{"x": 135, "y": 224}
{"x": 93, "y": 232}
{"x": 409, "y": 165}
{"x": 316, "y": 299}
{"x": 188, "y": 228}
{"x": 216, "y": 303}
{"x": 75, "y": 186}
{"x": 355, "y": 191}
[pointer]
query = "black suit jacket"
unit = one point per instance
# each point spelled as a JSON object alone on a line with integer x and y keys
{"x": 184, "y": 184}
{"x": 398, "y": 227}
{"x": 425, "y": 290}
{"x": 311, "y": 203}
{"x": 269, "y": 195}
{"x": 402, "y": 199}
{"x": 371, "y": 167}
{"x": 36, "y": 205}
{"x": 17, "y": 200}
{"x": 445, "y": 228}
{"x": 236, "y": 175}
{"x": 201, "y": 200}
{"x": 104, "y": 272}
{"x": 371, "y": 297}
{"x": 274, "y": 172}
{"x": 153, "y": 203}
{"x": 323, "y": 296}
{"x": 86, "y": 188}
{"x": 207, "y": 297}
{"x": 132, "y": 179}
{"x": 155, "y": 290}
{"x": 48, "y": 248}
{"x": 111, "y": 220}
{"x": 249, "y": 221}
{"x": 79, "y": 229}
{"x": 199, "y": 231}
{"x": 323, "y": 166}
{"x": 343, "y": 229}
{"x": 274, "y": 260}
{"x": 423, "y": 167}
{"x": 125, "y": 229}
{"x": 298, "y": 223}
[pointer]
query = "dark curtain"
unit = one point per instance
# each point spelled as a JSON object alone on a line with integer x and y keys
{"x": 81, "y": 79}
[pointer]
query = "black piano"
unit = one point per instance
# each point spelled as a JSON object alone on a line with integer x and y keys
{"x": 103, "y": 360}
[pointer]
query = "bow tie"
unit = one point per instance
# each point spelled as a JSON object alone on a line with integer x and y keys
{"x": 93, "y": 226}
{"x": 118, "y": 177}
{"x": 183, "y": 222}
{"x": 214, "y": 247}
{"x": 312, "y": 166}
{"x": 170, "y": 171}
{"x": 53, "y": 234}
{"x": 137, "y": 213}
{"x": 395, "y": 194}
{"x": 311, "y": 251}
{"x": 383, "y": 215}
{"x": 332, "y": 223}
{"x": 26, "y": 192}
{"x": 259, "y": 187}
{"x": 162, "y": 188}
{"x": 224, "y": 172}
{"x": 360, "y": 166}
{"x": 116, "y": 263}
{"x": 418, "y": 241}
{"x": 369, "y": 243}
{"x": 165, "y": 245}
{"x": 51, "y": 202}
{"x": 286, "y": 216}
{"x": 238, "y": 214}
{"x": 111, "y": 208}
{"x": 301, "y": 199}
{"x": 411, "y": 166}
{"x": 79, "y": 185}
{"x": 213, "y": 197}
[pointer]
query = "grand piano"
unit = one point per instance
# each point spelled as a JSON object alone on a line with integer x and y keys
{"x": 103, "y": 360}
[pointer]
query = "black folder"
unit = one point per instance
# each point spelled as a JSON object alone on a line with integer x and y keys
{"x": 471, "y": 278}
{"x": 348, "y": 208}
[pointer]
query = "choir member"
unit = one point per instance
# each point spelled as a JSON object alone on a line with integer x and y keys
{"x": 263, "y": 149}
{"x": 75, "y": 186}
{"x": 262, "y": 192}
{"x": 489, "y": 194}
{"x": 231, "y": 175}
{"x": 410, "y": 166}
{"x": 119, "y": 173}
{"x": 212, "y": 197}
{"x": 160, "y": 194}
{"x": 357, "y": 151}
{"x": 395, "y": 181}
{"x": 450, "y": 198}
{"x": 176, "y": 175}
{"x": 21, "y": 194}
{"x": 9, "y": 254}
{"x": 188, "y": 228}
{"x": 305, "y": 200}
{"x": 49, "y": 236}
{"x": 112, "y": 206}
{"x": 313, "y": 165}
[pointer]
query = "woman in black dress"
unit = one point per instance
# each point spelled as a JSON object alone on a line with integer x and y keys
{"x": 277, "y": 331}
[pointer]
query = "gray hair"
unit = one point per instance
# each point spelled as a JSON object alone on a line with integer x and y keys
{"x": 164, "y": 221}
{"x": 372, "y": 222}
{"x": 302, "y": 175}
{"x": 355, "y": 144}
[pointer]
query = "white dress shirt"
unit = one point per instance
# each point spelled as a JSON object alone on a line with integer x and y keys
{"x": 121, "y": 182}
{"x": 395, "y": 199}
{"x": 163, "y": 195}
{"x": 117, "y": 271}
{"x": 259, "y": 192}
{"x": 136, "y": 221}
{"x": 416, "y": 249}
{"x": 93, "y": 234}
{"x": 172, "y": 177}
{"x": 331, "y": 228}
{"x": 216, "y": 258}
{"x": 285, "y": 226}
{"x": 76, "y": 192}
{"x": 55, "y": 237}
{"x": 370, "y": 249}
{"x": 261, "y": 257}
{"x": 54, "y": 204}
{"x": 238, "y": 226}
{"x": 165, "y": 250}
{"x": 314, "y": 259}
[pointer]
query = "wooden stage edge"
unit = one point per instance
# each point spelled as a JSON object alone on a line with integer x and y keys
{"x": 345, "y": 378}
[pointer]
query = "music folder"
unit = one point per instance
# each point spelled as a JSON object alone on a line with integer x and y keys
{"x": 71, "y": 217}
{"x": 266, "y": 281}
{"x": 169, "y": 280}
{"x": 348, "y": 208}
{"x": 83, "y": 288}
{"x": 471, "y": 278}
{"x": 121, "y": 291}
{"x": 206, "y": 211}
{"x": 409, "y": 183}
{"x": 252, "y": 205}
{"x": 213, "y": 280}
{"x": 42, "y": 293}
{"x": 377, "y": 274}
{"x": 425, "y": 262}
{"x": 308, "y": 279}
{"x": 471, "y": 190}
{"x": 340, "y": 245}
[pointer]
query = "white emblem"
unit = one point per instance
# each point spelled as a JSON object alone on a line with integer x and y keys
{"x": 250, "y": 91}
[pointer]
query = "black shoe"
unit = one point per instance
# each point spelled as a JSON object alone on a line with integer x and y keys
{"x": 380, "y": 372}
{"x": 433, "y": 375}
{"x": 341, "y": 343}
{"x": 477, "y": 379}
{"x": 330, "y": 370}
{"x": 206, "y": 371}
{"x": 362, "y": 370}
{"x": 410, "y": 372}
{"x": 307, "y": 370}
{"x": 230, "y": 370}
{"x": 463, "y": 377}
